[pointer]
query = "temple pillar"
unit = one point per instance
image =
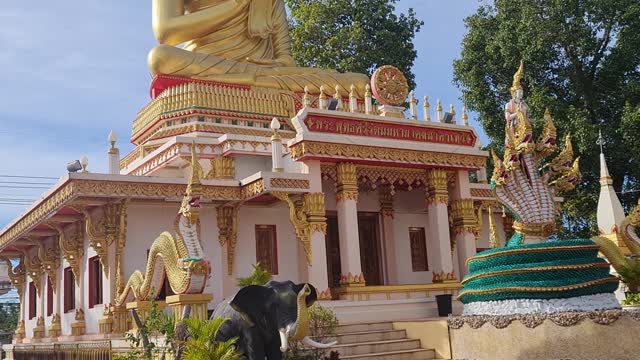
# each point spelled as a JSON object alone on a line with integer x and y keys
{"x": 317, "y": 273}
{"x": 78, "y": 327}
{"x": 439, "y": 248}
{"x": 464, "y": 220}
{"x": 317, "y": 222}
{"x": 39, "y": 329}
{"x": 464, "y": 226}
{"x": 347, "y": 208}
{"x": 388, "y": 233}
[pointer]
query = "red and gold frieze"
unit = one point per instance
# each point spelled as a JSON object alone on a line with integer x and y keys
{"x": 390, "y": 130}
{"x": 309, "y": 149}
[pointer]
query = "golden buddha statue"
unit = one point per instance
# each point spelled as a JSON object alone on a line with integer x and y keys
{"x": 236, "y": 41}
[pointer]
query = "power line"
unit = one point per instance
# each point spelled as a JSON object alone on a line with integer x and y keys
{"x": 29, "y": 177}
{"x": 23, "y": 187}
{"x": 25, "y": 183}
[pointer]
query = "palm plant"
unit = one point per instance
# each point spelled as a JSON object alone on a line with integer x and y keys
{"x": 201, "y": 343}
{"x": 258, "y": 277}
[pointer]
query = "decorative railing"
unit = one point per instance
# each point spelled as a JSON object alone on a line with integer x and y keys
{"x": 76, "y": 351}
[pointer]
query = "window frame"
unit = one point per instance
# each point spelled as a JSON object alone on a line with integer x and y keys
{"x": 416, "y": 266}
{"x": 95, "y": 282}
{"x": 274, "y": 247}
{"x": 49, "y": 297}
{"x": 69, "y": 290}
{"x": 33, "y": 312}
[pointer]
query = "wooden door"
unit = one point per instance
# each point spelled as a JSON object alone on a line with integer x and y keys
{"x": 370, "y": 253}
{"x": 333, "y": 251}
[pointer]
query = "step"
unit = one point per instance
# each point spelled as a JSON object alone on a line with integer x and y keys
{"x": 368, "y": 336}
{"x": 377, "y": 347}
{"x": 418, "y": 354}
{"x": 362, "y": 327}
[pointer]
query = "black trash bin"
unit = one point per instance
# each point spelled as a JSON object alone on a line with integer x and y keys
{"x": 445, "y": 305}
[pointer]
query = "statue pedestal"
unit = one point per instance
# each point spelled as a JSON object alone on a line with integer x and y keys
{"x": 55, "y": 329}
{"x": 392, "y": 111}
{"x": 38, "y": 332}
{"x": 78, "y": 328}
{"x": 143, "y": 308}
{"x": 105, "y": 325}
{"x": 121, "y": 320}
{"x": 198, "y": 304}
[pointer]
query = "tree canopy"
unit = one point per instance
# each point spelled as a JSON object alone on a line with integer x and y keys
{"x": 582, "y": 62}
{"x": 353, "y": 35}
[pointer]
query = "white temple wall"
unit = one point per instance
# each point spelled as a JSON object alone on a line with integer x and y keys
{"x": 247, "y": 165}
{"x": 211, "y": 247}
{"x": 402, "y": 222}
{"x": 288, "y": 244}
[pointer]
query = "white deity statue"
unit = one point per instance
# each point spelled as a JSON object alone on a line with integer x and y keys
{"x": 516, "y": 103}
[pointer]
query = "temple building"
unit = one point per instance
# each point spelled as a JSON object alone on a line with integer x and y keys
{"x": 343, "y": 187}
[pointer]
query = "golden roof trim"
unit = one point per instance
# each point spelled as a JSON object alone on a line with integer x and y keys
{"x": 369, "y": 153}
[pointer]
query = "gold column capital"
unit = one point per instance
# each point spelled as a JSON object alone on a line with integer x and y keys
{"x": 347, "y": 182}
{"x": 437, "y": 187}
{"x": 314, "y": 206}
{"x": 464, "y": 217}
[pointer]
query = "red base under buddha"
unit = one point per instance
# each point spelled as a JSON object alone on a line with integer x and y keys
{"x": 162, "y": 82}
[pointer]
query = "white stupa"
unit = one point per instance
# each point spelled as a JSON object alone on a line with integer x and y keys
{"x": 610, "y": 212}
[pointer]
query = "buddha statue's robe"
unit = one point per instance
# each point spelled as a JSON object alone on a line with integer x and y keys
{"x": 236, "y": 41}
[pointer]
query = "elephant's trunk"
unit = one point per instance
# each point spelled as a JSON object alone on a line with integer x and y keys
{"x": 315, "y": 344}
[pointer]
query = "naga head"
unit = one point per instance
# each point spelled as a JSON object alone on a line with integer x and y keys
{"x": 190, "y": 207}
{"x": 634, "y": 216}
{"x": 546, "y": 144}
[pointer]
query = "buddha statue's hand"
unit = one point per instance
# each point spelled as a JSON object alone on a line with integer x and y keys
{"x": 282, "y": 61}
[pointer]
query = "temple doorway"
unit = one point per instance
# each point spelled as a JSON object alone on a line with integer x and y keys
{"x": 370, "y": 254}
{"x": 370, "y": 249}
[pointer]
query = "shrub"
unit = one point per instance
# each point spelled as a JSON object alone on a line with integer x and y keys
{"x": 258, "y": 277}
{"x": 201, "y": 344}
{"x": 630, "y": 275}
{"x": 632, "y": 299}
{"x": 322, "y": 327}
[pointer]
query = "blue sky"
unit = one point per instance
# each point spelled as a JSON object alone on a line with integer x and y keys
{"x": 72, "y": 70}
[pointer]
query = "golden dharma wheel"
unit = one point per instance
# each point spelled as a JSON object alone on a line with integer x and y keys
{"x": 389, "y": 86}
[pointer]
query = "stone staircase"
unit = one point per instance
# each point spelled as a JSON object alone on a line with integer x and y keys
{"x": 378, "y": 341}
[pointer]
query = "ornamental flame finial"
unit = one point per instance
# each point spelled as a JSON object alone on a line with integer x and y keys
{"x": 517, "y": 181}
{"x": 517, "y": 78}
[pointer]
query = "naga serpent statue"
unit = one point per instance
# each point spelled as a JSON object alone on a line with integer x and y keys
{"x": 627, "y": 233}
{"x": 180, "y": 258}
{"x": 532, "y": 274}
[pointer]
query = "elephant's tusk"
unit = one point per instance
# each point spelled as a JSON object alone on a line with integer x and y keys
{"x": 284, "y": 342}
{"x": 316, "y": 344}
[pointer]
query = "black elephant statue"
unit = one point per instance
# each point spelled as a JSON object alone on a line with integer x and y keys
{"x": 265, "y": 318}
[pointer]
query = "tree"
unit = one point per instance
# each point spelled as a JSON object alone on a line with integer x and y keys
{"x": 581, "y": 62}
{"x": 353, "y": 35}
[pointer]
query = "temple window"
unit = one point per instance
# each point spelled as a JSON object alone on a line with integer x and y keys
{"x": 95, "y": 281}
{"x": 69, "y": 290}
{"x": 32, "y": 300}
{"x": 267, "y": 248}
{"x": 49, "y": 297}
{"x": 418, "y": 249}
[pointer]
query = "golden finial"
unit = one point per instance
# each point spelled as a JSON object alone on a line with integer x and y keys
{"x": 425, "y": 107}
{"x": 438, "y": 106}
{"x": 547, "y": 114}
{"x": 517, "y": 77}
{"x": 465, "y": 116}
{"x": 452, "y": 110}
{"x": 196, "y": 170}
{"x": 323, "y": 94}
{"x": 352, "y": 91}
{"x": 367, "y": 91}
{"x": 337, "y": 94}
{"x": 306, "y": 100}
